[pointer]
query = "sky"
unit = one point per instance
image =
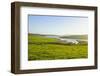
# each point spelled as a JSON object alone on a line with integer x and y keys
{"x": 57, "y": 25}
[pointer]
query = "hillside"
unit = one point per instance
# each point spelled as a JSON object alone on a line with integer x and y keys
{"x": 76, "y": 36}
{"x": 85, "y": 36}
{"x": 47, "y": 48}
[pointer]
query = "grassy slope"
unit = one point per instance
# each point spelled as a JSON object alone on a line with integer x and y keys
{"x": 76, "y": 36}
{"x": 53, "y": 51}
{"x": 38, "y": 38}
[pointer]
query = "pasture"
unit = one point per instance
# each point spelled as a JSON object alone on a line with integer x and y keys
{"x": 43, "y": 48}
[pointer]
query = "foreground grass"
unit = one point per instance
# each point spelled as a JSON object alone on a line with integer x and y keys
{"x": 50, "y": 51}
{"x": 46, "y": 51}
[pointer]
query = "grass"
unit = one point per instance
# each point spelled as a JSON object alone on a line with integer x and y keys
{"x": 43, "y": 48}
{"x": 76, "y": 37}
{"x": 37, "y": 39}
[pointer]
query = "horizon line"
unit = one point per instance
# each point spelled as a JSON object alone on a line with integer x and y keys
{"x": 57, "y": 34}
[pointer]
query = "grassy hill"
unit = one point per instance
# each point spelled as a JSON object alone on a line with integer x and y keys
{"x": 43, "y": 48}
{"x": 76, "y": 36}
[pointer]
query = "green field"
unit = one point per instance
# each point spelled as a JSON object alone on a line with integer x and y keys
{"x": 43, "y": 48}
{"x": 76, "y": 36}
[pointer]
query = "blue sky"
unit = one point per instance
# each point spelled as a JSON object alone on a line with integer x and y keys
{"x": 57, "y": 25}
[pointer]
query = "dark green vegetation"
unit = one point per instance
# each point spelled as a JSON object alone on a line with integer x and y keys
{"x": 44, "y": 48}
